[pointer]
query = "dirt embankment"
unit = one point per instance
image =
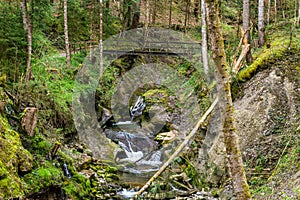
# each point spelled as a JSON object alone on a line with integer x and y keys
{"x": 267, "y": 112}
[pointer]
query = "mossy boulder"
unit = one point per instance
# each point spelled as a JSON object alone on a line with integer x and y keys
{"x": 14, "y": 159}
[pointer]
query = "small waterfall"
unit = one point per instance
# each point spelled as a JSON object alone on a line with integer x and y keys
{"x": 132, "y": 156}
{"x": 127, "y": 194}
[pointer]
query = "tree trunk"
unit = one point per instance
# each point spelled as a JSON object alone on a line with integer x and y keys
{"x": 24, "y": 14}
{"x": 101, "y": 40}
{"x": 234, "y": 156}
{"x": 246, "y": 27}
{"x": 282, "y": 3}
{"x": 197, "y": 10}
{"x": 187, "y": 11}
{"x": 154, "y": 13}
{"x": 68, "y": 56}
{"x": 204, "y": 37}
{"x": 27, "y": 28}
{"x": 268, "y": 14}
{"x": 170, "y": 14}
{"x": 92, "y": 7}
{"x": 127, "y": 6}
{"x": 136, "y": 15}
{"x": 261, "y": 23}
{"x": 107, "y": 4}
{"x": 298, "y": 12}
{"x": 147, "y": 19}
{"x": 275, "y": 12}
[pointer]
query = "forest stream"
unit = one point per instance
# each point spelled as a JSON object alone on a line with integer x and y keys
{"x": 149, "y": 99}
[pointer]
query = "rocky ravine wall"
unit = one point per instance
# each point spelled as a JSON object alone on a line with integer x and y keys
{"x": 268, "y": 106}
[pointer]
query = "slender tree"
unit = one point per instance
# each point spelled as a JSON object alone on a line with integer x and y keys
{"x": 127, "y": 12}
{"x": 197, "y": 10}
{"x": 187, "y": 13}
{"x": 268, "y": 12}
{"x": 261, "y": 23}
{"x": 92, "y": 36}
{"x": 101, "y": 39}
{"x": 107, "y": 4}
{"x": 299, "y": 12}
{"x": 204, "y": 37}
{"x": 283, "y": 9}
{"x": 27, "y": 23}
{"x": 154, "y": 13}
{"x": 275, "y": 12}
{"x": 234, "y": 156}
{"x": 68, "y": 56}
{"x": 147, "y": 19}
{"x": 136, "y": 15}
{"x": 246, "y": 27}
{"x": 170, "y": 13}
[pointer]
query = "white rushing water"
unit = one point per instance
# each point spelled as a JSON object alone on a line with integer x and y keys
{"x": 127, "y": 193}
{"x": 132, "y": 156}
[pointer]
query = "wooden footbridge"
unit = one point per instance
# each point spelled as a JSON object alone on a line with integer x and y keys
{"x": 152, "y": 48}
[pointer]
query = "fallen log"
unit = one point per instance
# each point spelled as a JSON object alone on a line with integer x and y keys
{"x": 179, "y": 149}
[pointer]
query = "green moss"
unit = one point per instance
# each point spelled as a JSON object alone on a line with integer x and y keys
{"x": 13, "y": 157}
{"x": 39, "y": 145}
{"x": 42, "y": 177}
{"x": 268, "y": 56}
{"x": 78, "y": 187}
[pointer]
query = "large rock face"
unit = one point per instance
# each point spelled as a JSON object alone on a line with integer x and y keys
{"x": 268, "y": 104}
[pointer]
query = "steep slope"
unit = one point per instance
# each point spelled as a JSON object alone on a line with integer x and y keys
{"x": 14, "y": 159}
{"x": 267, "y": 111}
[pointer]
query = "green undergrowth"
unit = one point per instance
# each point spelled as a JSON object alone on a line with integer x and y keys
{"x": 42, "y": 177}
{"x": 284, "y": 173}
{"x": 279, "y": 45}
{"x": 51, "y": 92}
{"x": 52, "y": 73}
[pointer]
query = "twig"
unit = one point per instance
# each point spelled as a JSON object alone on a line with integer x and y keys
{"x": 182, "y": 145}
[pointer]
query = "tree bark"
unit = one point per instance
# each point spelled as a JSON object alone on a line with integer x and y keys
{"x": 246, "y": 26}
{"x": 282, "y": 3}
{"x": 187, "y": 13}
{"x": 23, "y": 4}
{"x": 154, "y": 13}
{"x": 204, "y": 37}
{"x": 101, "y": 39}
{"x": 261, "y": 23}
{"x": 147, "y": 19}
{"x": 27, "y": 28}
{"x": 197, "y": 10}
{"x": 275, "y": 12}
{"x": 127, "y": 6}
{"x": 170, "y": 14}
{"x": 136, "y": 15}
{"x": 68, "y": 56}
{"x": 268, "y": 13}
{"x": 92, "y": 7}
{"x": 107, "y": 4}
{"x": 298, "y": 12}
{"x": 234, "y": 156}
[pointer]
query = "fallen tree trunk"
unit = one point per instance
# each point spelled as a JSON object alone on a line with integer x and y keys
{"x": 182, "y": 145}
